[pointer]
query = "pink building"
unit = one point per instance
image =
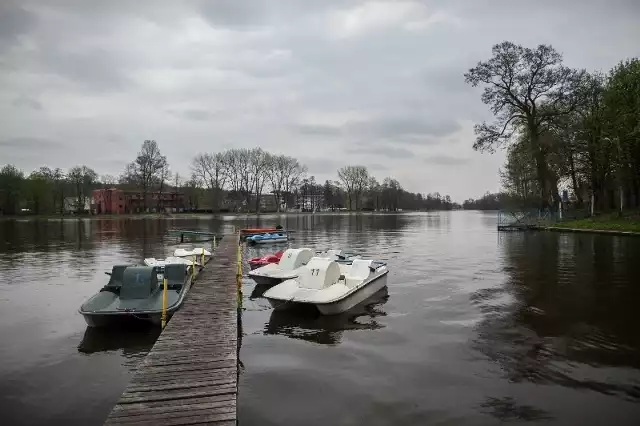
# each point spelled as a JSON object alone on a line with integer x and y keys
{"x": 108, "y": 201}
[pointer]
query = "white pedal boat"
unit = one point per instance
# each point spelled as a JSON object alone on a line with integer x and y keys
{"x": 275, "y": 273}
{"x": 291, "y": 260}
{"x": 152, "y": 261}
{"x": 191, "y": 255}
{"x": 331, "y": 287}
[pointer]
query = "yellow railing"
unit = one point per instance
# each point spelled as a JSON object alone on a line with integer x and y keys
{"x": 164, "y": 302}
{"x": 239, "y": 273}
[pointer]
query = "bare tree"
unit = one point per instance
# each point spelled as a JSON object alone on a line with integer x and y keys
{"x": 193, "y": 189}
{"x": 294, "y": 175}
{"x": 108, "y": 180}
{"x": 163, "y": 177}
{"x": 146, "y": 170}
{"x": 526, "y": 89}
{"x": 213, "y": 170}
{"x": 83, "y": 179}
{"x": 355, "y": 180}
{"x": 259, "y": 163}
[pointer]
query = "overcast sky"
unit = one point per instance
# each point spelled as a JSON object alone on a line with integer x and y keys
{"x": 331, "y": 82}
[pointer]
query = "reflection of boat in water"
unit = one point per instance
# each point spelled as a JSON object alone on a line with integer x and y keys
{"x": 131, "y": 337}
{"x": 306, "y": 323}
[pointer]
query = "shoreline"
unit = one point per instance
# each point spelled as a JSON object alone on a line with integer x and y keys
{"x": 191, "y": 215}
{"x": 590, "y": 231}
{"x": 611, "y": 224}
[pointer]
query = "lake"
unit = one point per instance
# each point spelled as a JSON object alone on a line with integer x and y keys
{"x": 476, "y": 327}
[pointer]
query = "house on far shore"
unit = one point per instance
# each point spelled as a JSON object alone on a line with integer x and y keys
{"x": 118, "y": 201}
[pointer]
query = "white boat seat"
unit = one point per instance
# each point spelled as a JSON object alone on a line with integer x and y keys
{"x": 295, "y": 258}
{"x": 358, "y": 272}
{"x": 180, "y": 252}
{"x": 319, "y": 273}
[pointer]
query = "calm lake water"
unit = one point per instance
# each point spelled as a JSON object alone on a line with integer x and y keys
{"x": 476, "y": 327}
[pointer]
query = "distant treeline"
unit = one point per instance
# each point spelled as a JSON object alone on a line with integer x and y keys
{"x": 562, "y": 128}
{"x": 487, "y": 202}
{"x": 236, "y": 180}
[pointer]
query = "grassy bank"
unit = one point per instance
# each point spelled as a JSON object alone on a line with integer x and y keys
{"x": 629, "y": 222}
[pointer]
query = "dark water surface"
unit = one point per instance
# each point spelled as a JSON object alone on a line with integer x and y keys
{"x": 475, "y": 328}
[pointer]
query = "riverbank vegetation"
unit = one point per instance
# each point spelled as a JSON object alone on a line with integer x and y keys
{"x": 235, "y": 180}
{"x": 563, "y": 128}
{"x": 629, "y": 222}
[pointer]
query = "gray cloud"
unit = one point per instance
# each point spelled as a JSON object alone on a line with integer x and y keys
{"x": 446, "y": 160}
{"x": 386, "y": 150}
{"x": 406, "y": 129}
{"x": 192, "y": 114}
{"x": 14, "y": 21}
{"x": 28, "y": 144}
{"x": 26, "y": 102}
{"x": 331, "y": 82}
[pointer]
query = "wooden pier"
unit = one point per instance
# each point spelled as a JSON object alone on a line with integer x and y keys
{"x": 190, "y": 376}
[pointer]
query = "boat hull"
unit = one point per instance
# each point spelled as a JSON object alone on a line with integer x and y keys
{"x": 266, "y": 281}
{"x": 342, "y": 305}
{"x": 268, "y": 241}
{"x": 112, "y": 320}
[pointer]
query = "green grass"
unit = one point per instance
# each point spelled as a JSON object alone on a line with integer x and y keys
{"x": 629, "y": 222}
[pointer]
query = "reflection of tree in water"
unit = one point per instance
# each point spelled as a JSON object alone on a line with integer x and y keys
{"x": 305, "y": 323}
{"x": 506, "y": 409}
{"x": 566, "y": 300}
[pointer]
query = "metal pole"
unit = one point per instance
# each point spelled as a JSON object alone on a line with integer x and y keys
{"x": 164, "y": 302}
{"x": 239, "y": 274}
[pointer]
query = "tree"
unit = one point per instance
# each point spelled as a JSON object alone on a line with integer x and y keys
{"x": 146, "y": 169}
{"x": 163, "y": 177}
{"x": 213, "y": 170}
{"x": 355, "y": 180}
{"x": 279, "y": 172}
{"x": 259, "y": 165}
{"x": 192, "y": 188}
{"x": 11, "y": 182}
{"x": 38, "y": 190}
{"x": 108, "y": 180}
{"x": 526, "y": 89}
{"x": 82, "y": 178}
{"x": 621, "y": 113}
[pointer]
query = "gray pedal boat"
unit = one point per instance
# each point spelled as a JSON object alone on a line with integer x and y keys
{"x": 135, "y": 292}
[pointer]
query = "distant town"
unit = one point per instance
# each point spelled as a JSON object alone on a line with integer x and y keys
{"x": 233, "y": 181}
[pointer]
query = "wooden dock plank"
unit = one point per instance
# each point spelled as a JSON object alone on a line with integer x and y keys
{"x": 190, "y": 374}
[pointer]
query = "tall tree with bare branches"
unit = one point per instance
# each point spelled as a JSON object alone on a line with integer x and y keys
{"x": 525, "y": 89}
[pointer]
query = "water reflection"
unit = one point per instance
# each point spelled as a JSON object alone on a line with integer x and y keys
{"x": 305, "y": 323}
{"x": 131, "y": 338}
{"x": 562, "y": 316}
{"x": 506, "y": 409}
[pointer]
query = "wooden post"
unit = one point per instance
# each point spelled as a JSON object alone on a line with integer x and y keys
{"x": 164, "y": 301}
{"x": 213, "y": 244}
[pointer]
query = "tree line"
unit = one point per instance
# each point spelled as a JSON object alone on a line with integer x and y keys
{"x": 561, "y": 127}
{"x": 233, "y": 180}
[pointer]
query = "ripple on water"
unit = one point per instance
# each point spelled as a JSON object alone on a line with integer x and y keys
{"x": 476, "y": 327}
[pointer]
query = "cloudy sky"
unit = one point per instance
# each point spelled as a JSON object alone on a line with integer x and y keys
{"x": 331, "y": 82}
